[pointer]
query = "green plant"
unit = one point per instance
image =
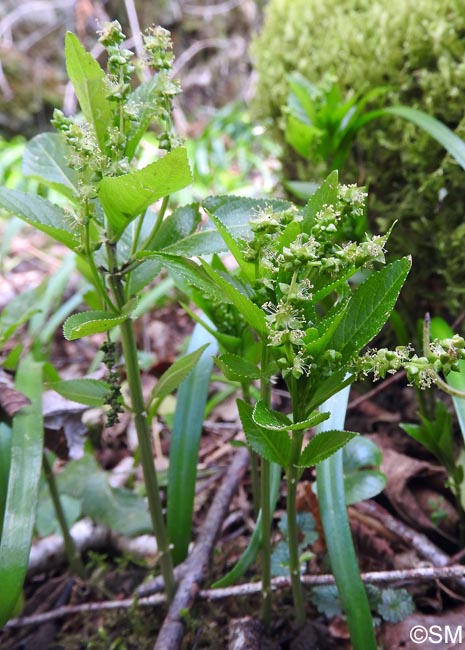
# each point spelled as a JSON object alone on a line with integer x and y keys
{"x": 289, "y": 308}
{"x": 393, "y": 605}
{"x": 415, "y": 50}
{"x": 105, "y": 220}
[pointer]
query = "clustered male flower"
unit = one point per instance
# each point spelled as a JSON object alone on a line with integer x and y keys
{"x": 422, "y": 371}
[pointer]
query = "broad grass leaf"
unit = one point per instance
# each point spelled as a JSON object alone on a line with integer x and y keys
{"x": 89, "y": 84}
{"x": 40, "y": 213}
{"x": 362, "y": 480}
{"x": 185, "y": 440}
{"x": 23, "y": 481}
{"x": 126, "y": 197}
{"x": 323, "y": 445}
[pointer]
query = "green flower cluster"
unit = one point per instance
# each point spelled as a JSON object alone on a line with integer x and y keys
{"x": 131, "y": 110}
{"x": 301, "y": 261}
{"x": 422, "y": 371}
{"x": 415, "y": 50}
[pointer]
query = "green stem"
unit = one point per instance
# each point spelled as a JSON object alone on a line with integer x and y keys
{"x": 265, "y": 393}
{"x": 148, "y": 242}
{"x": 99, "y": 284}
{"x": 128, "y": 341}
{"x": 71, "y": 551}
{"x": 253, "y": 460}
{"x": 293, "y": 530}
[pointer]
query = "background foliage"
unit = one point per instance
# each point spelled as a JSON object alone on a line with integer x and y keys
{"x": 416, "y": 50}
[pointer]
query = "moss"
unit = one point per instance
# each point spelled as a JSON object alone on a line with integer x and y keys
{"x": 417, "y": 49}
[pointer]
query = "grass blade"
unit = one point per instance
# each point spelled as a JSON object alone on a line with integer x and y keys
{"x": 185, "y": 441}
{"x": 25, "y": 466}
{"x": 331, "y": 499}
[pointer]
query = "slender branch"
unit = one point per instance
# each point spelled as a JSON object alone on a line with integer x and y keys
{"x": 128, "y": 340}
{"x": 147, "y": 243}
{"x": 265, "y": 394}
{"x": 172, "y": 630}
{"x": 73, "y": 555}
{"x": 419, "y": 574}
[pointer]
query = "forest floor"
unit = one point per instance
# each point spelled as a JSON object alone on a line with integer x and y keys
{"x": 412, "y": 526}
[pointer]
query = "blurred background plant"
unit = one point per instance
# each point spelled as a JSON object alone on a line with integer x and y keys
{"x": 416, "y": 50}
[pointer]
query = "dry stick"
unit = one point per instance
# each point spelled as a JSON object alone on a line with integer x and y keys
{"x": 172, "y": 630}
{"x": 420, "y": 574}
{"x": 420, "y": 542}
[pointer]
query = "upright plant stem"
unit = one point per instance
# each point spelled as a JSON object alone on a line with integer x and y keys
{"x": 266, "y": 511}
{"x": 71, "y": 551}
{"x": 292, "y": 528}
{"x": 128, "y": 341}
{"x": 253, "y": 461}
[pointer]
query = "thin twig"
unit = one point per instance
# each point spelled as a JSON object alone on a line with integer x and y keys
{"x": 172, "y": 630}
{"x": 195, "y": 48}
{"x": 207, "y": 11}
{"x": 420, "y": 574}
{"x": 424, "y": 546}
{"x": 136, "y": 34}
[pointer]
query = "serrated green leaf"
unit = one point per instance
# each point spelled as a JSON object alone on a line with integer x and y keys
{"x": 89, "y": 84}
{"x": 144, "y": 100}
{"x": 176, "y": 373}
{"x": 92, "y": 392}
{"x": 23, "y": 481}
{"x": 40, "y": 213}
{"x": 249, "y": 310}
{"x": 273, "y": 445}
{"x": 188, "y": 271}
{"x": 276, "y": 421}
{"x": 174, "y": 230}
{"x": 247, "y": 268}
{"x": 324, "y": 445}
{"x": 126, "y": 197}
{"x": 326, "y": 194}
{"x": 237, "y": 369}
{"x": 45, "y": 158}
{"x": 91, "y": 322}
{"x": 235, "y": 212}
{"x": 370, "y": 307}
